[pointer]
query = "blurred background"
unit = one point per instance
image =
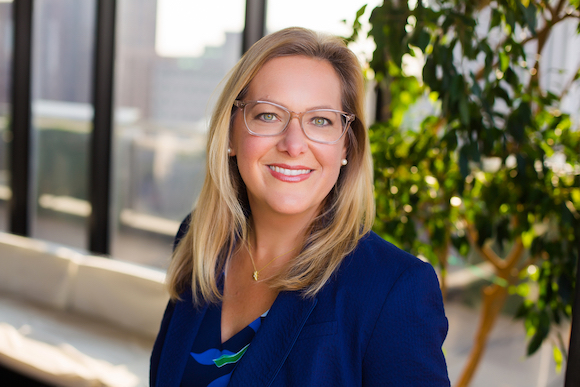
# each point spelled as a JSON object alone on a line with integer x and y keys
{"x": 169, "y": 59}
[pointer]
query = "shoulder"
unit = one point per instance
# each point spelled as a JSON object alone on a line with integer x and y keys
{"x": 373, "y": 246}
{"x": 378, "y": 263}
{"x": 393, "y": 301}
{"x": 375, "y": 274}
{"x": 377, "y": 278}
{"x": 408, "y": 316}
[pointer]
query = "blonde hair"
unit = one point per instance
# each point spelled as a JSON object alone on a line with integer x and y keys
{"x": 220, "y": 218}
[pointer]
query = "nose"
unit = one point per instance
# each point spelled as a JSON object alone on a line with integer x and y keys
{"x": 293, "y": 140}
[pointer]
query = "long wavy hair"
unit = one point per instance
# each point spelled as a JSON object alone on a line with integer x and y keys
{"x": 220, "y": 220}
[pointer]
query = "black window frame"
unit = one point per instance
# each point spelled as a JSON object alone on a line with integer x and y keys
{"x": 22, "y": 205}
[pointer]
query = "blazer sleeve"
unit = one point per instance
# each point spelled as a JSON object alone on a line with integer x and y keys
{"x": 405, "y": 348}
{"x": 160, "y": 340}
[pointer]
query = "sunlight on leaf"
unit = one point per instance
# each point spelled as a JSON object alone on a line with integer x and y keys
{"x": 527, "y": 238}
{"x": 558, "y": 358}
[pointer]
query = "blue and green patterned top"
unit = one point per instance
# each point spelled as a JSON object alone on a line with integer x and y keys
{"x": 211, "y": 362}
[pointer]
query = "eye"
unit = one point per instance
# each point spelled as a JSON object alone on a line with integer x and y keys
{"x": 321, "y": 121}
{"x": 267, "y": 117}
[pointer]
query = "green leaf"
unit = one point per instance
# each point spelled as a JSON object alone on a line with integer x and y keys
{"x": 523, "y": 310}
{"x": 518, "y": 120}
{"x": 430, "y": 73}
{"x": 496, "y": 17}
{"x": 356, "y": 25}
{"x": 500, "y": 92}
{"x": 504, "y": 61}
{"x": 558, "y": 358}
{"x": 530, "y": 14}
{"x": 464, "y": 162}
{"x": 542, "y": 330}
{"x": 360, "y": 12}
{"x": 423, "y": 40}
{"x": 464, "y": 111}
{"x": 510, "y": 19}
{"x": 527, "y": 239}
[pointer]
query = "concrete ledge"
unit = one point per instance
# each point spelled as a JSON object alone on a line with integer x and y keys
{"x": 71, "y": 319}
{"x": 67, "y": 349}
{"x": 36, "y": 270}
{"x": 127, "y": 295}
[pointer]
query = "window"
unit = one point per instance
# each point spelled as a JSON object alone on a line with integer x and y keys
{"x": 168, "y": 66}
{"x": 323, "y": 16}
{"x": 62, "y": 51}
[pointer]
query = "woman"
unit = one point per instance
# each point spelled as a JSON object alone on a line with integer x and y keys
{"x": 276, "y": 278}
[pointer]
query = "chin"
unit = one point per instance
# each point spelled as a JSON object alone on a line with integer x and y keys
{"x": 293, "y": 208}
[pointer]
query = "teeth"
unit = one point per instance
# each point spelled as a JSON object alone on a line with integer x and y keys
{"x": 289, "y": 172}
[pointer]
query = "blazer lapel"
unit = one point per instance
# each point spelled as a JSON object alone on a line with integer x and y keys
{"x": 274, "y": 341}
{"x": 181, "y": 333}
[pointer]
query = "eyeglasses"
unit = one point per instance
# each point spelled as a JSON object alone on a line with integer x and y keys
{"x": 268, "y": 119}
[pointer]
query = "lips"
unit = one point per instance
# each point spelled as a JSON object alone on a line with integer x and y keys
{"x": 288, "y": 171}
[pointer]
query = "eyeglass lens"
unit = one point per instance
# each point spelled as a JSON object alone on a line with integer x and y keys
{"x": 319, "y": 125}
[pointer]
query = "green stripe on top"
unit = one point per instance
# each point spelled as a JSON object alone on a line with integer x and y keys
{"x": 228, "y": 359}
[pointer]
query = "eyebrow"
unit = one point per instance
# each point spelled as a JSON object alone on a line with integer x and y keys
{"x": 308, "y": 109}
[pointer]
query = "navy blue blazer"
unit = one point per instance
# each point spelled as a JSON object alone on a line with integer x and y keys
{"x": 379, "y": 321}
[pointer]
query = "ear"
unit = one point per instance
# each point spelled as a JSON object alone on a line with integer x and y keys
{"x": 233, "y": 118}
{"x": 346, "y": 144}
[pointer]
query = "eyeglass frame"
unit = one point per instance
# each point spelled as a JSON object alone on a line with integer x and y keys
{"x": 348, "y": 116}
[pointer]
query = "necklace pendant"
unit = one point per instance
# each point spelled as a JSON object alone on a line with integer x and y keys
{"x": 255, "y": 275}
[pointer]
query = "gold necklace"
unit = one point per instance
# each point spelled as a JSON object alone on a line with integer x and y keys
{"x": 256, "y": 272}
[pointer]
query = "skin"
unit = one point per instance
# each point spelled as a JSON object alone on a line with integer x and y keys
{"x": 282, "y": 206}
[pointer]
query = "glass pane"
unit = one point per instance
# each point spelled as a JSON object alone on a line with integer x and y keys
{"x": 323, "y": 16}
{"x": 61, "y": 118}
{"x": 328, "y": 16}
{"x": 167, "y": 70}
{"x": 6, "y": 30}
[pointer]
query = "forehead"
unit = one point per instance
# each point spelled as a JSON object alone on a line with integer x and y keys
{"x": 297, "y": 82}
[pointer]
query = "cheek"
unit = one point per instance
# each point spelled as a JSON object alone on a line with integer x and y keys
{"x": 250, "y": 152}
{"x": 243, "y": 144}
{"x": 250, "y": 148}
{"x": 332, "y": 163}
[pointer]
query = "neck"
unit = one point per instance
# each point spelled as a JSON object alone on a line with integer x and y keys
{"x": 275, "y": 235}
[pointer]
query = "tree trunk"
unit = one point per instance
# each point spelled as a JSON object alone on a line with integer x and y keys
{"x": 494, "y": 297}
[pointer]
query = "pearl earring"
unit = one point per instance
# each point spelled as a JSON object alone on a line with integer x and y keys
{"x": 229, "y": 151}
{"x": 344, "y": 161}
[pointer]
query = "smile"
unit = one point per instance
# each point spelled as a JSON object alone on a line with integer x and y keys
{"x": 289, "y": 172}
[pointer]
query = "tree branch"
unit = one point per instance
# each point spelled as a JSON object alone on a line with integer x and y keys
{"x": 560, "y": 6}
{"x": 554, "y": 11}
{"x": 485, "y": 251}
{"x": 515, "y": 253}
